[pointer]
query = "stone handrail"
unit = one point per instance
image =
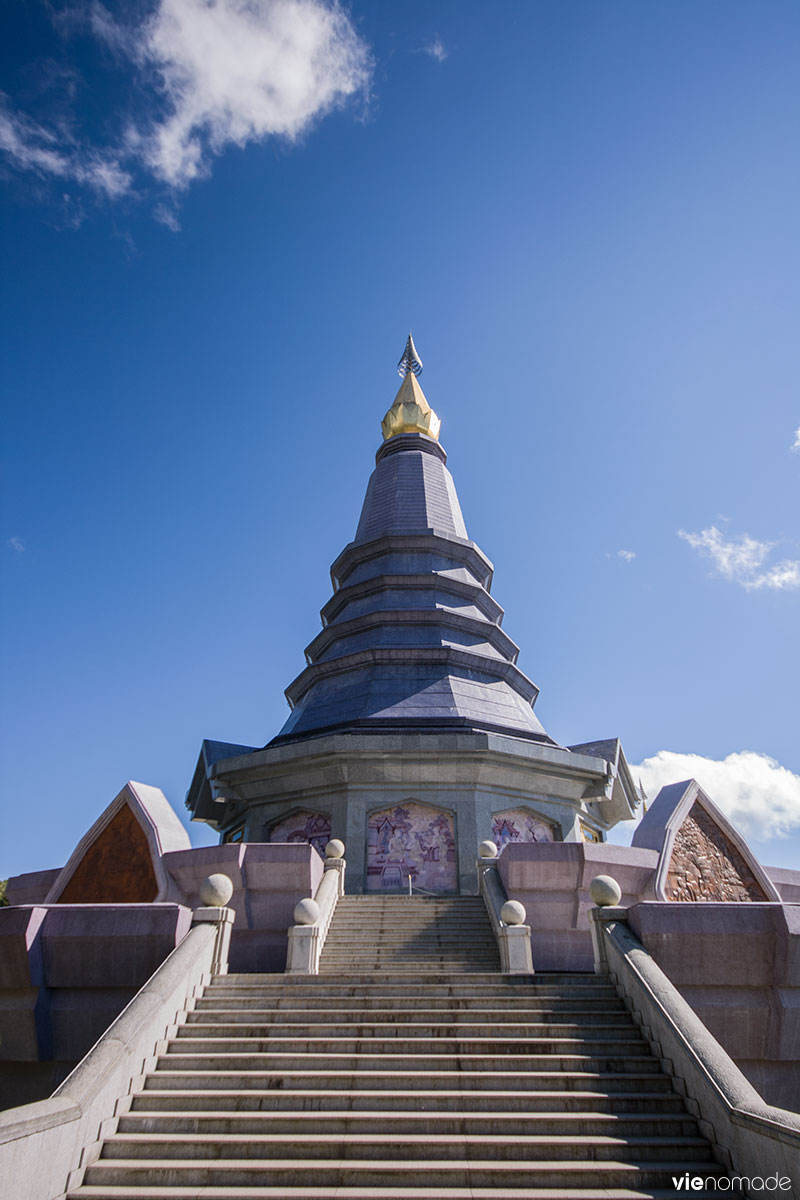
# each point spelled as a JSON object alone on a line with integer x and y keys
{"x": 45, "y": 1145}
{"x": 506, "y": 918}
{"x": 313, "y": 917}
{"x": 749, "y": 1136}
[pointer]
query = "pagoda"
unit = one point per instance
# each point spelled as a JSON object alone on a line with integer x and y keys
{"x": 412, "y": 734}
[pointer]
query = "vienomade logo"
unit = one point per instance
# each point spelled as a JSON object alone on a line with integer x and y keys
{"x": 744, "y": 1184}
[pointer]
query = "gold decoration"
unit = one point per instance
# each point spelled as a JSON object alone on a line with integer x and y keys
{"x": 410, "y": 412}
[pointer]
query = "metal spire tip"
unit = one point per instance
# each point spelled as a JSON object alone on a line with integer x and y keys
{"x": 410, "y": 361}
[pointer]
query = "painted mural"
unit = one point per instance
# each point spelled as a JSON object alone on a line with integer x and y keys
{"x": 411, "y": 839}
{"x": 313, "y": 827}
{"x": 519, "y": 825}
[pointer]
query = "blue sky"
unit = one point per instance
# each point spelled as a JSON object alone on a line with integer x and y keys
{"x": 220, "y": 222}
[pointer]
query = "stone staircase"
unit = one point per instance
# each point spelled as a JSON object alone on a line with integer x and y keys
{"x": 395, "y": 933}
{"x": 408, "y": 1069}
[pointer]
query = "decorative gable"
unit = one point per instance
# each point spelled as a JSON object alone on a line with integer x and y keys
{"x": 702, "y": 856}
{"x": 119, "y": 860}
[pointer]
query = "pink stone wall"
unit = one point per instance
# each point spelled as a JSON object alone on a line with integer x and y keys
{"x": 738, "y": 965}
{"x": 552, "y": 880}
{"x": 268, "y": 880}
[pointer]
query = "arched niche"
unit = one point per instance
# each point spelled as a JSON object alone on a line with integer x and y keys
{"x": 413, "y": 839}
{"x": 303, "y": 825}
{"x": 521, "y": 825}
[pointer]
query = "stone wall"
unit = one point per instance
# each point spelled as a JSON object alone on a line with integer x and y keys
{"x": 738, "y": 965}
{"x": 552, "y": 880}
{"x": 268, "y": 880}
{"x": 66, "y": 971}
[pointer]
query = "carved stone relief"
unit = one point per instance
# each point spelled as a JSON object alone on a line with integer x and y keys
{"x": 705, "y": 864}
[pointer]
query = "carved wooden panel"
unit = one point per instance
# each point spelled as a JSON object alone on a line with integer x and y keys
{"x": 706, "y": 865}
{"x": 117, "y": 867}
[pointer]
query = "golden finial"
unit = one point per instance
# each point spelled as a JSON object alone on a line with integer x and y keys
{"x": 410, "y": 412}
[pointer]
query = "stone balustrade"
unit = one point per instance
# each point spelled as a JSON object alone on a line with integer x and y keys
{"x": 312, "y": 916}
{"x": 507, "y": 917}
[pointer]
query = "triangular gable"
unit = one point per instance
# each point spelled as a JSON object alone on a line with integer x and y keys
{"x": 119, "y": 860}
{"x": 702, "y": 856}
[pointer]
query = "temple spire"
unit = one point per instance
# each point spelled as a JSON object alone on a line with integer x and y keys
{"x": 410, "y": 412}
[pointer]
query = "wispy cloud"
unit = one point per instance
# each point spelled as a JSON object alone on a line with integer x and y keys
{"x": 16, "y": 544}
{"x": 742, "y": 560}
{"x": 165, "y": 215}
{"x": 214, "y": 73}
{"x": 436, "y": 49}
{"x": 796, "y": 442}
{"x": 626, "y": 555}
{"x": 31, "y": 147}
{"x": 761, "y": 797}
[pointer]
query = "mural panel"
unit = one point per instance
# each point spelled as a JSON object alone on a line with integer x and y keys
{"x": 411, "y": 839}
{"x": 313, "y": 827}
{"x": 519, "y": 825}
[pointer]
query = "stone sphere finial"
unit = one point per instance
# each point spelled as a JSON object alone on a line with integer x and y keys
{"x": 487, "y": 849}
{"x": 334, "y": 849}
{"x": 306, "y": 912}
{"x": 605, "y": 891}
{"x": 513, "y": 913}
{"x": 216, "y": 891}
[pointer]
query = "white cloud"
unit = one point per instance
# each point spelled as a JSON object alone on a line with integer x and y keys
{"x": 234, "y": 71}
{"x": 760, "y": 797}
{"x": 214, "y": 73}
{"x": 16, "y": 544}
{"x": 626, "y": 555}
{"x": 436, "y": 49}
{"x": 742, "y": 560}
{"x": 796, "y": 442}
{"x": 31, "y": 147}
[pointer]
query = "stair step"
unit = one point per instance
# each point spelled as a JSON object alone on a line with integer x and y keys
{"x": 362, "y": 1025}
{"x": 473, "y": 1172}
{"x": 628, "y": 1125}
{"x": 378, "y": 1147}
{"x": 466, "y": 1080}
{"x": 405, "y": 1043}
{"x": 404, "y": 1099}
{"x": 165, "y": 1192}
{"x": 365, "y": 1062}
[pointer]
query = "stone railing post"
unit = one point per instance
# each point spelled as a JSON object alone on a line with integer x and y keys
{"x": 215, "y": 892}
{"x": 606, "y": 893}
{"x": 507, "y": 916}
{"x": 312, "y": 917}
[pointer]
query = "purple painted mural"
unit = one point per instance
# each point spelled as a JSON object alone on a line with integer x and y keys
{"x": 519, "y": 825}
{"x": 313, "y": 827}
{"x": 411, "y": 839}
